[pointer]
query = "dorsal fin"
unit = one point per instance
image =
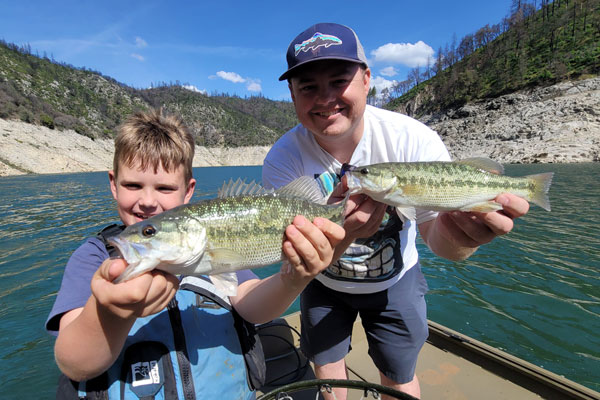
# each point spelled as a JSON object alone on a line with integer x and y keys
{"x": 304, "y": 187}
{"x": 241, "y": 188}
{"x": 484, "y": 163}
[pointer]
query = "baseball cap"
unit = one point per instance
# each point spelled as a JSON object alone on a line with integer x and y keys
{"x": 324, "y": 41}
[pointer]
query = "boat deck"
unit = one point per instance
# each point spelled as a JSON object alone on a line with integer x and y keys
{"x": 450, "y": 366}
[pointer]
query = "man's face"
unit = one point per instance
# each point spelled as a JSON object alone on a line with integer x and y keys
{"x": 140, "y": 194}
{"x": 330, "y": 98}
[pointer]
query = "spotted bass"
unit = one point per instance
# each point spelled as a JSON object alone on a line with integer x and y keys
{"x": 466, "y": 185}
{"x": 242, "y": 228}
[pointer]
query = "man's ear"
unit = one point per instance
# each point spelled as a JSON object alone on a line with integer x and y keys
{"x": 291, "y": 91}
{"x": 367, "y": 79}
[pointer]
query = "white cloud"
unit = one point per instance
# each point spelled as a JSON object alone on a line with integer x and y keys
{"x": 138, "y": 56}
{"x": 139, "y": 42}
{"x": 254, "y": 86}
{"x": 194, "y": 89}
{"x": 411, "y": 55}
{"x": 388, "y": 71}
{"x": 381, "y": 83}
{"x": 231, "y": 76}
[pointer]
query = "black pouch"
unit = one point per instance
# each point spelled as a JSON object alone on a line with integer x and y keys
{"x": 147, "y": 368}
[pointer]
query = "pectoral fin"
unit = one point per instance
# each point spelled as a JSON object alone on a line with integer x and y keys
{"x": 226, "y": 283}
{"x": 224, "y": 257}
{"x": 484, "y": 207}
{"x": 408, "y": 212}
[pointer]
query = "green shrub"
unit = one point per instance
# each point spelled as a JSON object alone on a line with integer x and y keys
{"x": 47, "y": 121}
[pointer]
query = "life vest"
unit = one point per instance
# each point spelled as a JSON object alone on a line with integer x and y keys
{"x": 198, "y": 347}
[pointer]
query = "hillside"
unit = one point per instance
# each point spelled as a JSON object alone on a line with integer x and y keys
{"x": 530, "y": 48}
{"x": 41, "y": 91}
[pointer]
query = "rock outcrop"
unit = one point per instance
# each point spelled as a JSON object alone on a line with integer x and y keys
{"x": 555, "y": 124}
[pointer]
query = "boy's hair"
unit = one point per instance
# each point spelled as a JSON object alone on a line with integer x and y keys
{"x": 151, "y": 139}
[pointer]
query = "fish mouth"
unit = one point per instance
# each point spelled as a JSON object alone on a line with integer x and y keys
{"x": 347, "y": 168}
{"x": 130, "y": 252}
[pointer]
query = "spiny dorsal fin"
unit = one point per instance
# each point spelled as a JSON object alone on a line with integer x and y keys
{"x": 484, "y": 163}
{"x": 241, "y": 188}
{"x": 304, "y": 187}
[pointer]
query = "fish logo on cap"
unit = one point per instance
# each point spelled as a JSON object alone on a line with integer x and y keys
{"x": 316, "y": 41}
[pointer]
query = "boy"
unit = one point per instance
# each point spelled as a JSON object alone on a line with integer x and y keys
{"x": 100, "y": 324}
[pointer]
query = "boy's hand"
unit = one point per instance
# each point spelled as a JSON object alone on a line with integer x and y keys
{"x": 144, "y": 295}
{"x": 309, "y": 248}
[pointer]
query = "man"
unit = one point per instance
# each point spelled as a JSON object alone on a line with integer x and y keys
{"x": 379, "y": 275}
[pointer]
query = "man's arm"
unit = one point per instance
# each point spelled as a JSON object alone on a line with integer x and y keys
{"x": 456, "y": 235}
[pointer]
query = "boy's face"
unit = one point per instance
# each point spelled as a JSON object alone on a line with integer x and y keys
{"x": 142, "y": 194}
{"x": 330, "y": 97}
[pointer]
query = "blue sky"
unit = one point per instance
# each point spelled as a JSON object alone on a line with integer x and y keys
{"x": 236, "y": 47}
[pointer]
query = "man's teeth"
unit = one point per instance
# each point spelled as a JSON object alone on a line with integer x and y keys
{"x": 328, "y": 114}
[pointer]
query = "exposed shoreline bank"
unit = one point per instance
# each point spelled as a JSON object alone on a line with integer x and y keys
{"x": 32, "y": 149}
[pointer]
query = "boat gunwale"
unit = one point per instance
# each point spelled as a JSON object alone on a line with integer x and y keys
{"x": 523, "y": 373}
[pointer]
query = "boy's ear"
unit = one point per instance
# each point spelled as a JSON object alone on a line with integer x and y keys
{"x": 189, "y": 192}
{"x": 113, "y": 183}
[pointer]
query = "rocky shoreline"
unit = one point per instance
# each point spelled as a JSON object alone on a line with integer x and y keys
{"x": 27, "y": 149}
{"x": 556, "y": 124}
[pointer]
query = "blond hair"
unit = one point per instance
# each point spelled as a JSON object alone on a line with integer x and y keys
{"x": 151, "y": 139}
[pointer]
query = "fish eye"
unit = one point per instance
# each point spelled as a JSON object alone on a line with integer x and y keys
{"x": 364, "y": 171}
{"x": 148, "y": 231}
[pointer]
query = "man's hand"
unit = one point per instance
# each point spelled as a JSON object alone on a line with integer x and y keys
{"x": 456, "y": 235}
{"x": 363, "y": 215}
{"x": 309, "y": 248}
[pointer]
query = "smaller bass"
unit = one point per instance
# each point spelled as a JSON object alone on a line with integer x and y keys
{"x": 466, "y": 185}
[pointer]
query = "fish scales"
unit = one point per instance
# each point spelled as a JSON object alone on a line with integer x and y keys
{"x": 254, "y": 225}
{"x": 468, "y": 185}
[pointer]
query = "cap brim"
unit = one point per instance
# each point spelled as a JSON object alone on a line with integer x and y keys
{"x": 288, "y": 74}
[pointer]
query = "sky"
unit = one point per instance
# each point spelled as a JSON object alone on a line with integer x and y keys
{"x": 233, "y": 47}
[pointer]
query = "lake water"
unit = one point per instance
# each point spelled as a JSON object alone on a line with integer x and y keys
{"x": 534, "y": 293}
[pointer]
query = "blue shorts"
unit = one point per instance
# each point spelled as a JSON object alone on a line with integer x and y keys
{"x": 395, "y": 323}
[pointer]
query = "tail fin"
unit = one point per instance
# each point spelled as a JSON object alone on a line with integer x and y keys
{"x": 542, "y": 184}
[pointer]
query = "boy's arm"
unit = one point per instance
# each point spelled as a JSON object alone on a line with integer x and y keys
{"x": 91, "y": 338}
{"x": 309, "y": 248}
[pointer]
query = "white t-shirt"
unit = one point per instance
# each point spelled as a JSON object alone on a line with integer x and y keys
{"x": 387, "y": 137}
